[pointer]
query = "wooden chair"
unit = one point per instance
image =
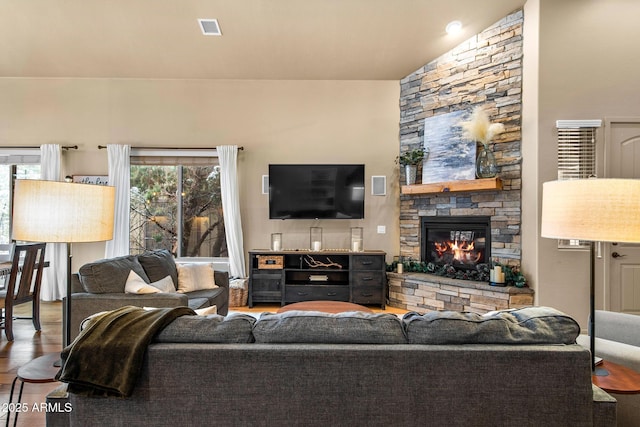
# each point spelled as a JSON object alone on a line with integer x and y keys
{"x": 24, "y": 284}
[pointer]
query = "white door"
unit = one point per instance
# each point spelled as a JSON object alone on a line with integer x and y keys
{"x": 622, "y": 160}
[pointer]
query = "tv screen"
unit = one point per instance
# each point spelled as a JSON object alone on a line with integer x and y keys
{"x": 316, "y": 191}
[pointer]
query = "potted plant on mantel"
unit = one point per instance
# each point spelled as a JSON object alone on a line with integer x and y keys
{"x": 410, "y": 160}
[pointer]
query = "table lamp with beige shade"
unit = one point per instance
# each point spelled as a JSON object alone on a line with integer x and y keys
{"x": 60, "y": 212}
{"x": 594, "y": 210}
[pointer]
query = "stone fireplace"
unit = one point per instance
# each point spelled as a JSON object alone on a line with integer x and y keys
{"x": 460, "y": 241}
{"x": 486, "y": 71}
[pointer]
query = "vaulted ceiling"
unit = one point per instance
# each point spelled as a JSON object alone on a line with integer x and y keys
{"x": 262, "y": 39}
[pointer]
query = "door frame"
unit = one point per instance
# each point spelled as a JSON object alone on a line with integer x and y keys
{"x": 609, "y": 123}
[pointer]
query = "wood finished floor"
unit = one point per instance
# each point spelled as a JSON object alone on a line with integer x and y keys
{"x": 29, "y": 344}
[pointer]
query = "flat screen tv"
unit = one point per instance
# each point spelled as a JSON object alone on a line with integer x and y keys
{"x": 316, "y": 191}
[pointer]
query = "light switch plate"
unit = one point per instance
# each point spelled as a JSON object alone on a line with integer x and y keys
{"x": 382, "y": 229}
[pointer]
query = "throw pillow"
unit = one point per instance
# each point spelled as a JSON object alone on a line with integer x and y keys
{"x": 196, "y": 276}
{"x": 164, "y": 285}
{"x": 136, "y": 285}
{"x": 207, "y": 310}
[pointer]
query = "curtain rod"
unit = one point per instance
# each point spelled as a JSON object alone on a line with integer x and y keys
{"x": 102, "y": 147}
{"x": 33, "y": 147}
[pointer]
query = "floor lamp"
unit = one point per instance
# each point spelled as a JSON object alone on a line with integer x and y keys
{"x": 594, "y": 210}
{"x": 60, "y": 212}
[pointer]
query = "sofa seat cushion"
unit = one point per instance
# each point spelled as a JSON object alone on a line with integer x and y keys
{"x": 198, "y": 302}
{"x": 110, "y": 275}
{"x": 530, "y": 325}
{"x": 235, "y": 328}
{"x": 317, "y": 327}
{"x": 211, "y": 294}
{"x": 159, "y": 264}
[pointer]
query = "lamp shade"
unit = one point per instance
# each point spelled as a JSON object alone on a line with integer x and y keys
{"x": 604, "y": 210}
{"x": 52, "y": 211}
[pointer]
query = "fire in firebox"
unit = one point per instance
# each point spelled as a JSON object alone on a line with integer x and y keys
{"x": 459, "y": 249}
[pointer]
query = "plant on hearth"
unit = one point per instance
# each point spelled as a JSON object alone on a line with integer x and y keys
{"x": 513, "y": 276}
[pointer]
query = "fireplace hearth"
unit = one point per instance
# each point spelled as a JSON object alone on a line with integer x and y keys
{"x": 461, "y": 242}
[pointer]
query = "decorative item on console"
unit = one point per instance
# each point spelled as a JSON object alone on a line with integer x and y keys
{"x": 276, "y": 241}
{"x": 480, "y": 129}
{"x": 357, "y": 243}
{"x": 315, "y": 238}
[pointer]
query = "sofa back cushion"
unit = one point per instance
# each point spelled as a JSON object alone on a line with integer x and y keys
{"x": 620, "y": 327}
{"x": 316, "y": 327}
{"x": 158, "y": 265}
{"x": 530, "y": 325}
{"x": 234, "y": 328}
{"x": 109, "y": 275}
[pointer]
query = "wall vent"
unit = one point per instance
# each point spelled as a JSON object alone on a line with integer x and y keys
{"x": 210, "y": 27}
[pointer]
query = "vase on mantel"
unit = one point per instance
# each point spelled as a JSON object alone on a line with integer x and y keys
{"x": 410, "y": 173}
{"x": 486, "y": 163}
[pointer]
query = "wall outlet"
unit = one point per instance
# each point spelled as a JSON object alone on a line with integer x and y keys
{"x": 382, "y": 229}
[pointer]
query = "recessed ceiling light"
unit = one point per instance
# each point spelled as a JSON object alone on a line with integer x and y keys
{"x": 453, "y": 27}
{"x": 210, "y": 27}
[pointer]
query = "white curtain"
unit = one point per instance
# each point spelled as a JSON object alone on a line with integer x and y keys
{"x": 228, "y": 157}
{"x": 119, "y": 177}
{"x": 54, "y": 278}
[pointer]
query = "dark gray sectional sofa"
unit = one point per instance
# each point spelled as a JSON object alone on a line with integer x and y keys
{"x": 520, "y": 368}
{"x": 99, "y": 286}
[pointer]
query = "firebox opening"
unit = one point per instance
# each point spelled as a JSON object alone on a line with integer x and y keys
{"x": 463, "y": 242}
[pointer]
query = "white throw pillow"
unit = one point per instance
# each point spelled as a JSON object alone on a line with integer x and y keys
{"x": 136, "y": 285}
{"x": 194, "y": 277}
{"x": 164, "y": 285}
{"x": 207, "y": 310}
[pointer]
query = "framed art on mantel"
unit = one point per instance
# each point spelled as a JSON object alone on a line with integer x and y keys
{"x": 451, "y": 156}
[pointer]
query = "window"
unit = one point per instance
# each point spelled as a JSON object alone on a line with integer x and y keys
{"x": 14, "y": 164}
{"x": 176, "y": 207}
{"x": 576, "y": 158}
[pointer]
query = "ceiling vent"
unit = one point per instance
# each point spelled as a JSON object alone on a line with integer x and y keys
{"x": 210, "y": 27}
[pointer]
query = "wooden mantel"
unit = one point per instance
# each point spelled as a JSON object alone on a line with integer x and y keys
{"x": 454, "y": 186}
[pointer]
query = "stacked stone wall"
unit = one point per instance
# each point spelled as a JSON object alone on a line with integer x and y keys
{"x": 486, "y": 71}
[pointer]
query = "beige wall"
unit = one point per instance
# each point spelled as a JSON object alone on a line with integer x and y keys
{"x": 588, "y": 68}
{"x": 275, "y": 121}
